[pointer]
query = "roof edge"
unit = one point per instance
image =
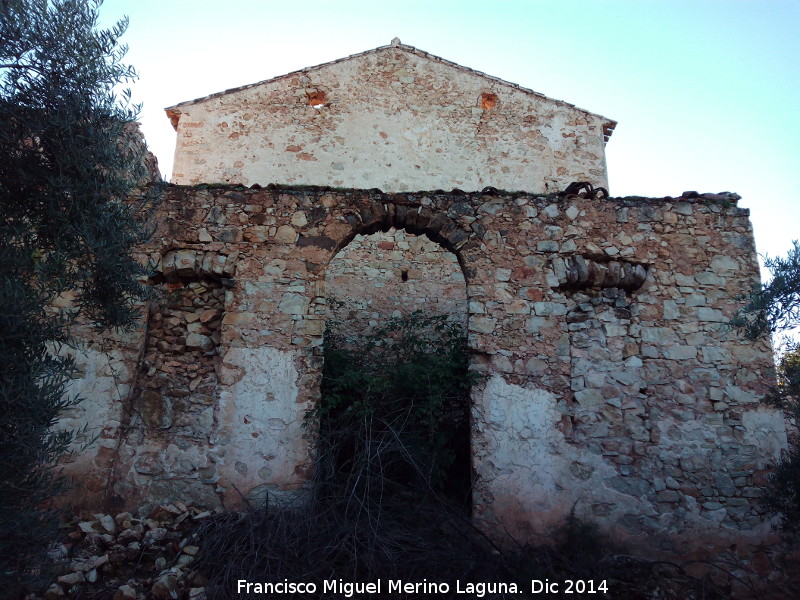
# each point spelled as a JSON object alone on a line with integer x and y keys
{"x": 608, "y": 126}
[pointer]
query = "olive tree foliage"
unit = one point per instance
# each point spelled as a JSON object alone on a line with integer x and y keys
{"x": 66, "y": 168}
{"x": 775, "y": 309}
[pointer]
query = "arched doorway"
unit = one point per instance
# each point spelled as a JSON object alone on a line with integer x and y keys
{"x": 396, "y": 363}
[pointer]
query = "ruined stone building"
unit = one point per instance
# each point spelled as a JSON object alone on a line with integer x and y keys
{"x": 612, "y": 382}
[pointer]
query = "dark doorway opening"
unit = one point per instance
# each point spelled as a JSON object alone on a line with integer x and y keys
{"x": 395, "y": 408}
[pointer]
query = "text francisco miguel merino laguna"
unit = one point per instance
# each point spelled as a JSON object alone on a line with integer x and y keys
{"x": 349, "y": 589}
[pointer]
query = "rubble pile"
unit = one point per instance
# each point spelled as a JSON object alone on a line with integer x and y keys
{"x": 127, "y": 557}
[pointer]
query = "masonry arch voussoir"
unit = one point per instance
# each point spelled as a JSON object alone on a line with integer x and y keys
{"x": 370, "y": 214}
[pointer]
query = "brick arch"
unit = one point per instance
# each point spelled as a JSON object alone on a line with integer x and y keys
{"x": 435, "y": 215}
{"x": 371, "y": 214}
{"x": 342, "y": 217}
{"x": 451, "y": 219}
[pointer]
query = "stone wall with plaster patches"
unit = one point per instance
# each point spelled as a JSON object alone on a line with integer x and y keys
{"x": 106, "y": 371}
{"x": 395, "y": 118}
{"x": 612, "y": 381}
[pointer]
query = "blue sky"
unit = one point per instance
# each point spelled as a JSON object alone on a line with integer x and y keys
{"x": 706, "y": 93}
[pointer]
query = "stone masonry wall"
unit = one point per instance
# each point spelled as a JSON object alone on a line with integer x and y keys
{"x": 390, "y": 274}
{"x": 394, "y": 118}
{"x": 612, "y": 382}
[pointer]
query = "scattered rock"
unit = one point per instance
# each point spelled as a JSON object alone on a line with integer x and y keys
{"x": 165, "y": 588}
{"x": 108, "y": 523}
{"x": 151, "y": 556}
{"x": 57, "y": 552}
{"x": 54, "y": 592}
{"x": 125, "y": 592}
{"x": 124, "y": 520}
{"x": 72, "y": 578}
{"x": 154, "y": 535}
{"x": 87, "y": 526}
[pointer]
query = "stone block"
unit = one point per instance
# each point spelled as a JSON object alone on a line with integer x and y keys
{"x": 286, "y": 234}
{"x": 185, "y": 263}
{"x": 712, "y": 315}
{"x": 502, "y": 363}
{"x": 197, "y": 341}
{"x": 230, "y": 235}
{"x": 294, "y": 304}
{"x": 551, "y": 211}
{"x": 237, "y": 318}
{"x": 166, "y": 264}
{"x": 612, "y": 330}
{"x": 681, "y": 353}
{"x": 482, "y": 324}
{"x": 671, "y": 310}
{"x": 218, "y": 264}
{"x": 155, "y": 409}
{"x": 314, "y": 327}
{"x": 724, "y": 484}
{"x": 547, "y": 246}
{"x": 535, "y": 365}
{"x": 548, "y": 309}
{"x": 256, "y": 234}
{"x": 710, "y": 279}
{"x": 502, "y": 274}
{"x": 724, "y": 263}
{"x": 632, "y": 486}
{"x": 633, "y": 362}
{"x": 589, "y": 398}
{"x": 668, "y": 496}
{"x": 210, "y": 314}
{"x": 476, "y": 308}
{"x": 696, "y": 300}
{"x": 714, "y": 354}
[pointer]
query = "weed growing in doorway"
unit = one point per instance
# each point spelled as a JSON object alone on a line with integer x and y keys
{"x": 394, "y": 411}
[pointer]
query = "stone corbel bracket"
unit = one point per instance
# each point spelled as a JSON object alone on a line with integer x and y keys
{"x": 189, "y": 265}
{"x": 582, "y": 273}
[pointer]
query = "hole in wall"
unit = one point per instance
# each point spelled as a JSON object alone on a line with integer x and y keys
{"x": 317, "y": 99}
{"x": 366, "y": 276}
{"x": 488, "y": 101}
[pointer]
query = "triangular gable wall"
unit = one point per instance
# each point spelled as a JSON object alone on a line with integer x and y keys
{"x": 395, "y": 118}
